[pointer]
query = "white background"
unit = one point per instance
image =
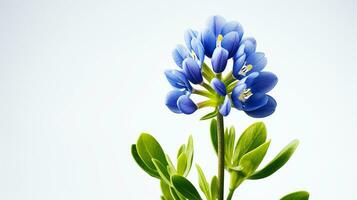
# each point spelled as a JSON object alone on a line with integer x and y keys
{"x": 79, "y": 81}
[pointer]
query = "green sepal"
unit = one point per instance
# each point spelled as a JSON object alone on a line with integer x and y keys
{"x": 279, "y": 161}
{"x": 140, "y": 162}
{"x": 148, "y": 148}
{"x": 185, "y": 187}
{"x": 251, "y": 138}
{"x": 210, "y": 115}
{"x": 213, "y": 132}
{"x": 300, "y": 195}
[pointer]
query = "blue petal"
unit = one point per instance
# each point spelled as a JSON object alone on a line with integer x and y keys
{"x": 219, "y": 87}
{"x": 265, "y": 110}
{"x": 178, "y": 79}
{"x": 198, "y": 49}
{"x": 215, "y": 24}
{"x": 225, "y": 108}
{"x": 231, "y": 43}
{"x": 255, "y": 101}
{"x": 249, "y": 80}
{"x": 232, "y": 26}
{"x": 250, "y": 45}
{"x": 237, "y": 66}
{"x": 257, "y": 60}
{"x": 186, "y": 105}
{"x": 171, "y": 100}
{"x": 263, "y": 83}
{"x": 235, "y": 95}
{"x": 219, "y": 59}
{"x": 239, "y": 52}
{"x": 179, "y": 54}
{"x": 189, "y": 35}
{"x": 192, "y": 71}
{"x": 209, "y": 42}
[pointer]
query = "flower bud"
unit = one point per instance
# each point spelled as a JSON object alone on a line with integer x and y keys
{"x": 171, "y": 100}
{"x": 230, "y": 42}
{"x": 178, "y": 79}
{"x": 186, "y": 105}
{"x": 192, "y": 71}
{"x": 219, "y": 87}
{"x": 219, "y": 59}
{"x": 225, "y": 108}
{"x": 179, "y": 54}
{"x": 198, "y": 49}
{"x": 250, "y": 45}
{"x": 188, "y": 36}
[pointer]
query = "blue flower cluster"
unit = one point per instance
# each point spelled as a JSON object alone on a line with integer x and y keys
{"x": 244, "y": 86}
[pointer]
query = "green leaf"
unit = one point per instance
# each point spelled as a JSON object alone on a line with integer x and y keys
{"x": 229, "y": 145}
{"x": 210, "y": 115}
{"x": 300, "y": 195}
{"x": 174, "y": 194}
{"x": 140, "y": 162}
{"x": 213, "y": 131}
{"x": 250, "y": 161}
{"x": 170, "y": 167}
{"x": 181, "y": 149}
{"x": 279, "y": 161}
{"x": 189, "y": 153}
{"x": 162, "y": 170}
{"x": 251, "y": 138}
{"x": 182, "y": 164}
{"x": 148, "y": 148}
{"x": 165, "y": 188}
{"x": 202, "y": 181}
{"x": 185, "y": 187}
{"x": 214, "y": 187}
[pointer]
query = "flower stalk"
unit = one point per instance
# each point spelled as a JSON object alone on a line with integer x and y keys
{"x": 230, "y": 194}
{"x": 220, "y": 139}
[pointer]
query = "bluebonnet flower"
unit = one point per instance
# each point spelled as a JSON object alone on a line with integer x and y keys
{"x": 178, "y": 79}
{"x": 244, "y": 86}
{"x": 220, "y": 33}
{"x": 220, "y": 89}
{"x": 246, "y": 60}
{"x": 250, "y": 94}
{"x": 219, "y": 86}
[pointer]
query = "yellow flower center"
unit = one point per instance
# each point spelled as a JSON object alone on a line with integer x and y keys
{"x": 245, "y": 95}
{"x": 245, "y": 69}
{"x": 219, "y": 40}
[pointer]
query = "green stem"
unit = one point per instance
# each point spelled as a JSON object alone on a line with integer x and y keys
{"x": 230, "y": 194}
{"x": 208, "y": 87}
{"x": 203, "y": 93}
{"x": 206, "y": 103}
{"x": 229, "y": 78}
{"x": 220, "y": 138}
